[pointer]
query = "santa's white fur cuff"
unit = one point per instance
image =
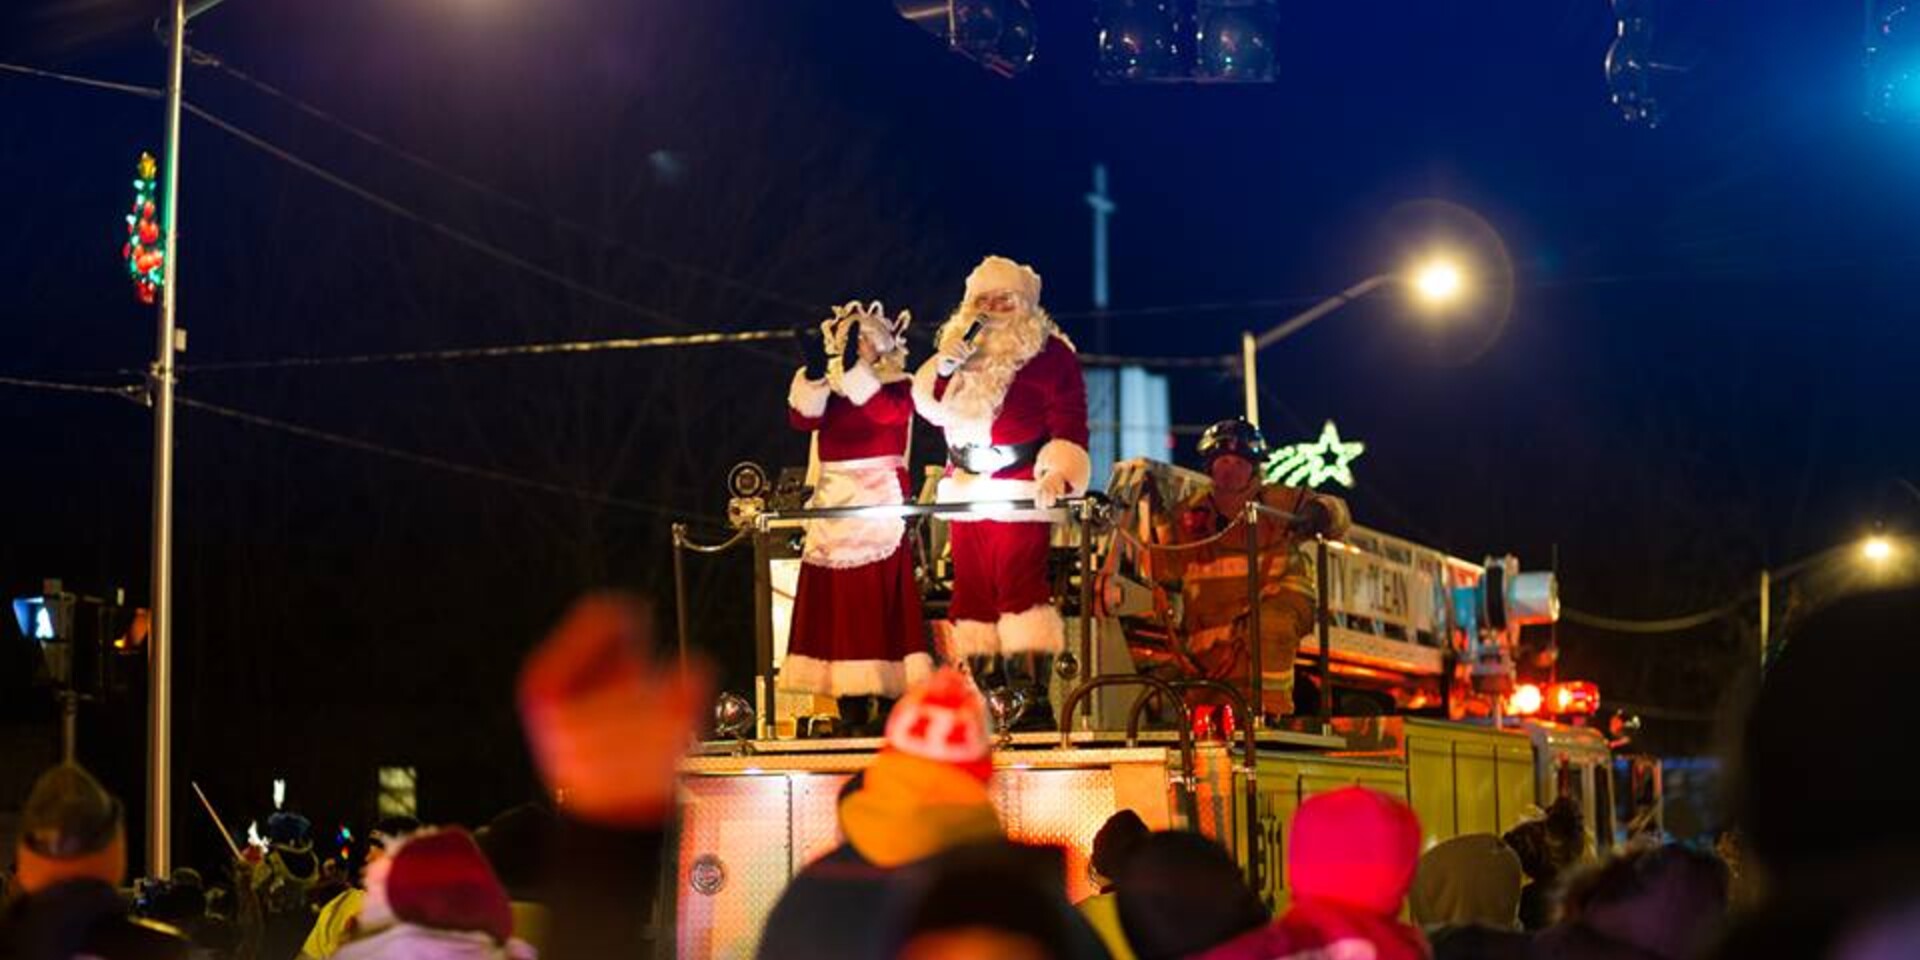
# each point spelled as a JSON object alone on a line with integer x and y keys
{"x": 808, "y": 397}
{"x": 853, "y": 678}
{"x": 1036, "y": 630}
{"x": 930, "y": 407}
{"x": 973, "y": 638}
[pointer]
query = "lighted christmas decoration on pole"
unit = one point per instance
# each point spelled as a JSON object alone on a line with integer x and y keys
{"x": 143, "y": 251}
{"x": 1312, "y": 464}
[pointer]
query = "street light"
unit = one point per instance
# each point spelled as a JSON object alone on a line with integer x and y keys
{"x": 1435, "y": 281}
{"x": 1874, "y": 551}
{"x": 1438, "y": 281}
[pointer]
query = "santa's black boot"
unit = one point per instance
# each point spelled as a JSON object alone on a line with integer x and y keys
{"x": 986, "y": 671}
{"x": 855, "y": 714}
{"x": 882, "y": 708}
{"x": 1032, "y": 674}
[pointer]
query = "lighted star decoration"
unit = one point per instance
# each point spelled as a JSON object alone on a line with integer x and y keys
{"x": 1315, "y": 463}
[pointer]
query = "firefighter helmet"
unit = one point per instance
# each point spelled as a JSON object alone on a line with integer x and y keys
{"x": 1234, "y": 436}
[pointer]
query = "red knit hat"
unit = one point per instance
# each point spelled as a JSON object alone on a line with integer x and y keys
{"x": 1355, "y": 847}
{"x": 437, "y": 879}
{"x": 944, "y": 719}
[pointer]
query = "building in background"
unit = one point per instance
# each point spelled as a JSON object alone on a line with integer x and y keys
{"x": 1127, "y": 417}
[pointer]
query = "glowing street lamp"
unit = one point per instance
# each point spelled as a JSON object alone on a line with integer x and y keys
{"x": 1875, "y": 552}
{"x": 1438, "y": 281}
{"x": 1434, "y": 282}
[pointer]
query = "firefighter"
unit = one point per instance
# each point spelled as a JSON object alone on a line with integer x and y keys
{"x": 1212, "y": 574}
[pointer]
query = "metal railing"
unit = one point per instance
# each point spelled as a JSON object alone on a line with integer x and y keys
{"x": 1249, "y": 759}
{"x": 1189, "y": 759}
{"x": 1322, "y": 608}
{"x": 1088, "y": 512}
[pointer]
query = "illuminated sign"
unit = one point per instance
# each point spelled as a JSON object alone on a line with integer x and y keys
{"x": 1314, "y": 463}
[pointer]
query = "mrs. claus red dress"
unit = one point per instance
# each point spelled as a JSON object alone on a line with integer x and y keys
{"x": 857, "y": 626}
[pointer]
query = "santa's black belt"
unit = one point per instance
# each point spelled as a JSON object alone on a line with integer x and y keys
{"x": 994, "y": 457}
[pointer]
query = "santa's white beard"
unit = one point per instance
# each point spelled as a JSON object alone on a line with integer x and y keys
{"x": 1004, "y": 346}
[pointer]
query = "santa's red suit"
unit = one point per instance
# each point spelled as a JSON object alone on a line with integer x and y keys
{"x": 857, "y": 626}
{"x": 1014, "y": 415}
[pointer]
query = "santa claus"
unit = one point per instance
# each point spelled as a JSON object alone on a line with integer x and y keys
{"x": 857, "y": 632}
{"x": 1005, "y": 386}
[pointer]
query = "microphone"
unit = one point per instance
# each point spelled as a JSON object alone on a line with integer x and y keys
{"x": 949, "y": 364}
{"x": 973, "y": 331}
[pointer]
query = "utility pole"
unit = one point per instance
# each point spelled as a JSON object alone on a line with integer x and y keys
{"x": 160, "y": 379}
{"x": 160, "y": 394}
{"x": 1103, "y": 208}
{"x": 1101, "y": 203}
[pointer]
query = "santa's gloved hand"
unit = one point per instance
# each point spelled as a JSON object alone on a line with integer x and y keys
{"x": 813, "y": 351}
{"x": 1049, "y": 489}
{"x": 953, "y": 355}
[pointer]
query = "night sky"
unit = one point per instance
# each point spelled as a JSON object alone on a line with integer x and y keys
{"x": 1706, "y": 368}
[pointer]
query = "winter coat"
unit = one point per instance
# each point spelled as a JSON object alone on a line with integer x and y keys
{"x": 83, "y": 918}
{"x": 907, "y": 810}
{"x": 832, "y": 910}
{"x": 1313, "y": 930}
{"x": 406, "y": 941}
{"x": 333, "y": 926}
{"x": 844, "y": 907}
{"x": 600, "y": 886}
{"x": 1102, "y": 911}
{"x": 1536, "y": 905}
{"x": 1472, "y": 941}
{"x": 1577, "y": 941}
{"x": 1470, "y": 879}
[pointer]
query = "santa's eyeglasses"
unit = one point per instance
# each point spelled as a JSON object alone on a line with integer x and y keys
{"x": 998, "y": 301}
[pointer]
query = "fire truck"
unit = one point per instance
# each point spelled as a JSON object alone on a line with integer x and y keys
{"x": 1409, "y": 687}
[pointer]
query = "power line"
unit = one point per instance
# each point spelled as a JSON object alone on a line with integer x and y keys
{"x": 575, "y": 227}
{"x": 149, "y": 92}
{"x": 623, "y": 343}
{"x": 1666, "y": 625}
{"x": 365, "y": 446}
{"x": 1163, "y": 310}
{"x": 65, "y": 387}
{"x": 1166, "y": 363}
{"x": 483, "y": 353}
{"x": 445, "y": 230}
{"x": 1182, "y": 309}
{"x": 421, "y": 459}
{"x": 450, "y": 232}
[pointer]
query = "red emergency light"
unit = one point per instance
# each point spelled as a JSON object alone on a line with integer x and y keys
{"x": 1567, "y": 698}
{"x": 1525, "y": 700}
{"x": 1575, "y": 696}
